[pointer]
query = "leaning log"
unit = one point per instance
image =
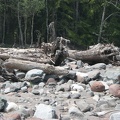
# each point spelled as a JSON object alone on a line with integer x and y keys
{"x": 28, "y": 65}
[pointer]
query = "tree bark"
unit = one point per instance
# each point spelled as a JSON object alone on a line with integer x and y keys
{"x": 4, "y": 21}
{"x": 102, "y": 24}
{"x": 47, "y": 30}
{"x": 28, "y": 65}
{"x": 98, "y": 53}
{"x": 32, "y": 25}
{"x": 25, "y": 29}
{"x": 19, "y": 23}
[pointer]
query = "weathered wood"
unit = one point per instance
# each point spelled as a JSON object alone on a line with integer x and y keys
{"x": 28, "y": 65}
{"x": 98, "y": 53}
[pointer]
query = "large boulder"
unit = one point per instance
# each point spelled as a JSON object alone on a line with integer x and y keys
{"x": 34, "y": 73}
{"x": 115, "y": 90}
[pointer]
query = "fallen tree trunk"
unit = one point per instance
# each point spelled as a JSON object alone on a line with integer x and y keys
{"x": 28, "y": 65}
{"x": 98, "y": 53}
{"x": 20, "y": 57}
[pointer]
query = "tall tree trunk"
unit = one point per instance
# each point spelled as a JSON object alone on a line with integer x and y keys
{"x": 47, "y": 30}
{"x": 20, "y": 27}
{"x": 102, "y": 24}
{"x": 32, "y": 25}
{"x": 76, "y": 14}
{"x": 25, "y": 30}
{"x": 4, "y": 21}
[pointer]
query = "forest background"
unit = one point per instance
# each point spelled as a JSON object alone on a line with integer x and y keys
{"x": 84, "y": 22}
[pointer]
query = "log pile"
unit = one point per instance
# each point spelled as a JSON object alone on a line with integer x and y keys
{"x": 51, "y": 55}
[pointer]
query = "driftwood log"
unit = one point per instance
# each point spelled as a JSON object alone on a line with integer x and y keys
{"x": 27, "y": 59}
{"x": 98, "y": 53}
{"x": 28, "y": 65}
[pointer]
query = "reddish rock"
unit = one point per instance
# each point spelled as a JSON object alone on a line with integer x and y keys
{"x": 97, "y": 87}
{"x": 51, "y": 81}
{"x": 115, "y": 90}
{"x": 14, "y": 116}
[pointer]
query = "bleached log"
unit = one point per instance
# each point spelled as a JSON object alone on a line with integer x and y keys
{"x": 28, "y": 65}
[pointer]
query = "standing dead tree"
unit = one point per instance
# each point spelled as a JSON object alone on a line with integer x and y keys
{"x": 52, "y": 33}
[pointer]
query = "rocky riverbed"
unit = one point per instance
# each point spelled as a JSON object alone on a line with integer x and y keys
{"x": 88, "y": 92}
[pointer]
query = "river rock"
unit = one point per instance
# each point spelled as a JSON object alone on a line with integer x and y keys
{"x": 2, "y": 104}
{"x": 77, "y": 87}
{"x": 81, "y": 76}
{"x": 94, "y": 74}
{"x": 75, "y": 113}
{"x": 34, "y": 73}
{"x": 99, "y": 66}
{"x": 97, "y": 86}
{"x": 51, "y": 82}
{"x": 44, "y": 112}
{"x": 75, "y": 95}
{"x": 11, "y": 106}
{"x": 20, "y": 75}
{"x": 71, "y": 75}
{"x": 14, "y": 116}
{"x": 115, "y": 116}
{"x": 111, "y": 74}
{"x": 83, "y": 105}
{"x": 115, "y": 90}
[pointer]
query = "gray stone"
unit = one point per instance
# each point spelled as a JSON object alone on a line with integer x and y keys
{"x": 41, "y": 84}
{"x": 99, "y": 66}
{"x": 24, "y": 89}
{"x": 77, "y": 87}
{"x": 111, "y": 74}
{"x": 117, "y": 107}
{"x": 80, "y": 64}
{"x": 25, "y": 112}
{"x": 64, "y": 95}
{"x": 115, "y": 116}
{"x": 35, "y": 92}
{"x": 75, "y": 113}
{"x": 20, "y": 75}
{"x": 2, "y": 79}
{"x": 75, "y": 96}
{"x": 10, "y": 89}
{"x": 94, "y": 74}
{"x": 60, "y": 88}
{"x": 83, "y": 105}
{"x": 34, "y": 73}
{"x": 71, "y": 75}
{"x": 44, "y": 112}
{"x": 6, "y": 84}
{"x": 112, "y": 102}
{"x": 118, "y": 57}
{"x": 35, "y": 80}
{"x": 66, "y": 87}
{"x": 2, "y": 104}
{"x": 36, "y": 87}
{"x": 17, "y": 85}
{"x": 11, "y": 106}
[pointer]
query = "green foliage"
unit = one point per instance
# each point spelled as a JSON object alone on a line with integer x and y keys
{"x": 80, "y": 24}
